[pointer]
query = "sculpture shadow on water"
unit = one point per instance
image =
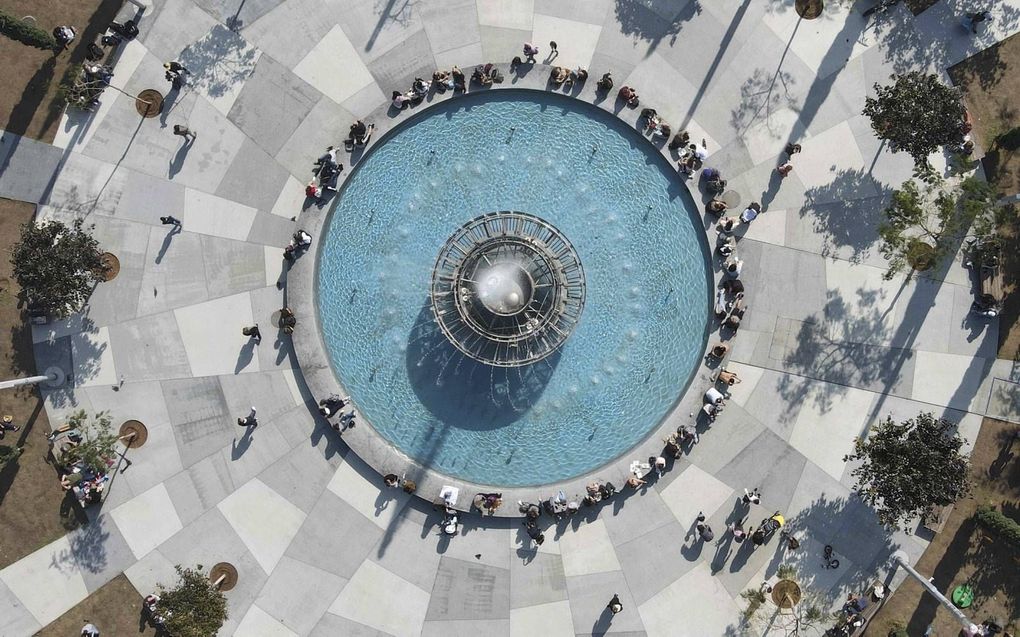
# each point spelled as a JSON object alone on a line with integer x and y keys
{"x": 464, "y": 393}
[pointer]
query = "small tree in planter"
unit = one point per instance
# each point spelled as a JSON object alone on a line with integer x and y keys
{"x": 923, "y": 225}
{"x": 57, "y": 265}
{"x": 909, "y": 468}
{"x": 9, "y": 454}
{"x": 786, "y": 608}
{"x": 98, "y": 441}
{"x": 195, "y": 607}
{"x": 916, "y": 113}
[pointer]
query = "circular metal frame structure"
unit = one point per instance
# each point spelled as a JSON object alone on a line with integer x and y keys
{"x": 507, "y": 289}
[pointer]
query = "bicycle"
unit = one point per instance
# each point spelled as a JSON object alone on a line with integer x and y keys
{"x": 830, "y": 562}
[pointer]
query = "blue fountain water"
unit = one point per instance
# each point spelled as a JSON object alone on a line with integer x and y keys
{"x": 640, "y": 337}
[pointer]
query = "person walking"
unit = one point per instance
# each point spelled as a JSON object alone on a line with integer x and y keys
{"x": 89, "y": 630}
{"x": 553, "y": 51}
{"x": 973, "y": 19}
{"x": 185, "y": 132}
{"x": 751, "y": 497}
{"x": 248, "y": 421}
{"x": 705, "y": 532}
{"x": 784, "y": 169}
{"x": 530, "y": 51}
{"x": 615, "y": 605}
{"x": 170, "y": 221}
{"x": 792, "y": 149}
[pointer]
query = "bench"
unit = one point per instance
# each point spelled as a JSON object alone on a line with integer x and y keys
{"x": 936, "y": 520}
{"x": 990, "y": 278}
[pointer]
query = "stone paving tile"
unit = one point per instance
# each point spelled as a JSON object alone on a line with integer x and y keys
{"x": 411, "y": 548}
{"x": 466, "y": 628}
{"x": 159, "y": 456}
{"x": 507, "y": 14}
{"x": 176, "y": 24}
{"x": 335, "y": 66}
{"x": 254, "y": 179}
{"x": 539, "y": 580}
{"x": 660, "y": 617}
{"x": 654, "y": 560}
{"x": 200, "y": 488}
{"x": 640, "y": 513}
{"x": 332, "y": 539}
{"x": 147, "y": 520}
{"x": 47, "y": 582}
{"x": 21, "y": 160}
{"x": 469, "y": 590}
{"x": 825, "y": 436}
{"x": 580, "y": 38}
{"x": 331, "y": 625}
{"x": 446, "y": 33}
{"x": 258, "y": 622}
{"x": 209, "y": 540}
{"x": 381, "y": 507}
{"x": 589, "y": 598}
{"x": 396, "y": 69}
{"x": 99, "y": 550}
{"x": 371, "y": 582}
{"x": 234, "y": 16}
{"x": 301, "y": 475}
{"x": 218, "y": 347}
{"x": 501, "y": 43}
{"x": 135, "y": 351}
{"x": 549, "y": 619}
{"x": 273, "y": 32}
{"x": 16, "y": 620}
{"x": 325, "y": 124}
{"x": 216, "y": 216}
{"x": 588, "y": 550}
{"x": 176, "y": 274}
{"x": 264, "y": 520}
{"x": 200, "y": 418}
{"x": 220, "y": 62}
{"x": 950, "y": 380}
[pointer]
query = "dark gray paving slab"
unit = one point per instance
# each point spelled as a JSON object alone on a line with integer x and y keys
{"x": 201, "y": 421}
{"x": 466, "y": 628}
{"x": 173, "y": 25}
{"x": 117, "y": 300}
{"x": 327, "y": 122}
{"x": 640, "y": 513}
{"x": 149, "y": 348}
{"x": 301, "y": 475}
{"x": 232, "y": 266}
{"x": 271, "y": 230}
{"x": 22, "y": 160}
{"x": 99, "y": 551}
{"x": 200, "y": 488}
{"x": 237, "y": 15}
{"x": 334, "y": 537}
{"x": 469, "y": 590}
{"x": 331, "y": 625}
{"x": 499, "y": 44}
{"x": 451, "y": 24}
{"x": 272, "y": 104}
{"x": 397, "y": 68}
{"x": 298, "y": 594}
{"x": 589, "y": 598}
{"x": 175, "y": 276}
{"x": 209, "y": 540}
{"x": 588, "y": 11}
{"x": 411, "y": 547}
{"x": 769, "y": 464}
{"x": 375, "y": 29}
{"x": 253, "y": 179}
{"x": 538, "y": 579}
{"x": 654, "y": 560}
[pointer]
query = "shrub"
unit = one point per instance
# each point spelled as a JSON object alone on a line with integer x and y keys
{"x": 8, "y": 454}
{"x": 17, "y": 29}
{"x": 1010, "y": 140}
{"x": 1005, "y": 526}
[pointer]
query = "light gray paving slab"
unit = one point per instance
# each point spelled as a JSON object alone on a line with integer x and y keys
{"x": 231, "y": 266}
{"x": 411, "y": 548}
{"x": 271, "y": 230}
{"x": 327, "y": 124}
{"x": 537, "y": 580}
{"x": 501, "y": 44}
{"x": 99, "y": 551}
{"x": 466, "y": 627}
{"x": 235, "y": 15}
{"x": 176, "y": 274}
{"x": 450, "y": 25}
{"x": 174, "y": 25}
{"x": 117, "y": 300}
{"x": 273, "y": 33}
{"x": 376, "y": 29}
{"x": 301, "y": 475}
{"x": 469, "y": 590}
{"x": 16, "y": 620}
{"x": 653, "y": 560}
{"x": 199, "y": 488}
{"x": 396, "y": 69}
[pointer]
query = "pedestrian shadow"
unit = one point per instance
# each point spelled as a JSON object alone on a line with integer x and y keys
{"x": 602, "y": 624}
{"x": 178, "y": 161}
{"x": 239, "y": 447}
{"x": 245, "y": 356}
{"x": 167, "y": 240}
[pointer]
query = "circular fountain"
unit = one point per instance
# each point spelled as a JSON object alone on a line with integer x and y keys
{"x": 507, "y": 289}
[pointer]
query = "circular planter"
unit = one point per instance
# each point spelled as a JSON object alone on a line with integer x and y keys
{"x": 141, "y": 434}
{"x": 149, "y": 103}
{"x": 227, "y": 572}
{"x": 920, "y": 255}
{"x": 112, "y": 264}
{"x": 809, "y": 9}
{"x": 786, "y": 594}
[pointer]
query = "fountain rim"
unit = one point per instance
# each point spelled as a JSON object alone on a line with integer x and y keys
{"x": 317, "y": 372}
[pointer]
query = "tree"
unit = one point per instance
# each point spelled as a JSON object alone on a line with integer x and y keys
{"x": 57, "y": 266}
{"x": 799, "y": 608}
{"x": 9, "y": 454}
{"x": 917, "y": 114}
{"x": 98, "y": 441}
{"x": 909, "y": 468}
{"x": 194, "y": 607}
{"x": 924, "y": 226}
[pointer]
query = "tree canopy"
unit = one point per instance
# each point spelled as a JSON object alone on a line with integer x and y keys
{"x": 925, "y": 224}
{"x": 909, "y": 468}
{"x": 916, "y": 113}
{"x": 194, "y": 607}
{"x": 57, "y": 265}
{"x": 98, "y": 440}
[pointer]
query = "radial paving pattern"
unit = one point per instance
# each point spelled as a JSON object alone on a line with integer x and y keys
{"x": 827, "y": 348}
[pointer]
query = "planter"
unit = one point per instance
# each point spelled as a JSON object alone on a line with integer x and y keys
{"x": 112, "y": 264}
{"x": 786, "y": 594}
{"x": 149, "y": 103}
{"x": 227, "y": 572}
{"x": 920, "y": 255}
{"x": 809, "y": 9}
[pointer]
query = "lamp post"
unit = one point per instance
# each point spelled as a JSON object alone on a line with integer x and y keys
{"x": 54, "y": 377}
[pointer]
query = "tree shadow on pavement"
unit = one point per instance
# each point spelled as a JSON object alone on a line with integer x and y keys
{"x": 219, "y": 61}
{"x": 846, "y": 212}
{"x": 637, "y": 19}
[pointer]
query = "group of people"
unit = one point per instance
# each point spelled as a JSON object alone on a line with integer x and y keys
{"x": 84, "y": 481}
{"x": 562, "y": 76}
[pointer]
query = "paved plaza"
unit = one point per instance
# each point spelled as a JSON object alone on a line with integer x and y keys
{"x": 827, "y": 349}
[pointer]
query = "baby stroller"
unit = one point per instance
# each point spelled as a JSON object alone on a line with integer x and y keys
{"x": 767, "y": 529}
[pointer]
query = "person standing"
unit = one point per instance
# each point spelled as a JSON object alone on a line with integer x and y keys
{"x": 553, "y": 51}
{"x": 248, "y": 421}
{"x": 615, "y": 605}
{"x": 170, "y": 221}
{"x": 972, "y": 20}
{"x": 253, "y": 333}
{"x": 704, "y": 530}
{"x": 185, "y": 132}
{"x": 751, "y": 497}
{"x": 530, "y": 51}
{"x": 89, "y": 630}
{"x": 7, "y": 424}
{"x": 792, "y": 149}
